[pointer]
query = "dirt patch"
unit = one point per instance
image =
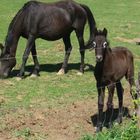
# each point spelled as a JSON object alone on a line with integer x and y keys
{"x": 134, "y": 40}
{"x": 66, "y": 123}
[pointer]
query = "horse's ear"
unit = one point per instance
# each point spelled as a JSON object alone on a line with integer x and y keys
{"x": 105, "y": 32}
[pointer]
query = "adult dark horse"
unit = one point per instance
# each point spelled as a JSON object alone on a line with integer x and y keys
{"x": 111, "y": 66}
{"x": 50, "y": 22}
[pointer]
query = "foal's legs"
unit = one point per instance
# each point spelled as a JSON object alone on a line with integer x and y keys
{"x": 29, "y": 45}
{"x": 34, "y": 55}
{"x": 120, "y": 91}
{"x": 101, "y": 92}
{"x": 68, "y": 48}
{"x": 110, "y": 103}
{"x": 79, "y": 34}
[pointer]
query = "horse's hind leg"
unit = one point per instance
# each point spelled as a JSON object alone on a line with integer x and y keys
{"x": 68, "y": 48}
{"x": 79, "y": 33}
{"x": 120, "y": 91}
{"x": 111, "y": 89}
{"x": 29, "y": 45}
{"x": 36, "y": 67}
{"x": 130, "y": 79}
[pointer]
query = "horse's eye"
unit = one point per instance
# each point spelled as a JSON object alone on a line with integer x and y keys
{"x": 104, "y": 44}
{"x": 94, "y": 44}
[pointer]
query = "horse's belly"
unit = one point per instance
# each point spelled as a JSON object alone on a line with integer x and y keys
{"x": 54, "y": 34}
{"x": 50, "y": 37}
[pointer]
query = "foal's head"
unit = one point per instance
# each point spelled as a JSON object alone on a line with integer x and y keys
{"x": 100, "y": 44}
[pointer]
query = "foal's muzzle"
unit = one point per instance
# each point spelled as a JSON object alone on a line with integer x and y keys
{"x": 99, "y": 58}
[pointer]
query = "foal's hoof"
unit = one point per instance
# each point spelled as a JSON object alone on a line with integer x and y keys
{"x": 110, "y": 125}
{"x": 61, "y": 72}
{"x": 79, "y": 73}
{"x": 118, "y": 121}
{"x": 98, "y": 129}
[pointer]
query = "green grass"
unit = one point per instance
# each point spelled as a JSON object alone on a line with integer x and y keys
{"x": 128, "y": 132}
{"x": 120, "y": 17}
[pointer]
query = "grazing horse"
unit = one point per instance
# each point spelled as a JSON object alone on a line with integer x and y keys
{"x": 49, "y": 21}
{"x": 111, "y": 66}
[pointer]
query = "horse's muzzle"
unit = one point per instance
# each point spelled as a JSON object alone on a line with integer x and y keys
{"x": 99, "y": 58}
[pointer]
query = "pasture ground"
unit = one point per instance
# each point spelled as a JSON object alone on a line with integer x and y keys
{"x": 63, "y": 107}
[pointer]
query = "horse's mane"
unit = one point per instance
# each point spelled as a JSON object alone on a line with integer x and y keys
{"x": 26, "y": 5}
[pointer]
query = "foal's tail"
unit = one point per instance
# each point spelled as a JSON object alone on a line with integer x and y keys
{"x": 91, "y": 22}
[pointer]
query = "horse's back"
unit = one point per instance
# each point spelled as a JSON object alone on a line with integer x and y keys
{"x": 118, "y": 64}
{"x": 52, "y": 20}
{"x": 125, "y": 60}
{"x": 122, "y": 52}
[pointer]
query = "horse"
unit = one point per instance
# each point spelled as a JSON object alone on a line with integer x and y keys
{"x": 111, "y": 66}
{"x": 49, "y": 21}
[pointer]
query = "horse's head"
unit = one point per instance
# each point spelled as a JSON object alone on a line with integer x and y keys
{"x": 100, "y": 44}
{"x": 6, "y": 63}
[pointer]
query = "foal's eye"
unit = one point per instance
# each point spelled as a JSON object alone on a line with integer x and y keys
{"x": 94, "y": 44}
{"x": 104, "y": 44}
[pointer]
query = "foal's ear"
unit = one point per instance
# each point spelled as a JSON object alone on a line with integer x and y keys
{"x": 95, "y": 31}
{"x": 105, "y": 32}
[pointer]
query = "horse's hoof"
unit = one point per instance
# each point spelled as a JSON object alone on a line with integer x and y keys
{"x": 33, "y": 76}
{"x": 18, "y": 78}
{"x": 61, "y": 72}
{"x": 79, "y": 73}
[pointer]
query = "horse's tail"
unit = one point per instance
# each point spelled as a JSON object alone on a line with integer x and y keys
{"x": 91, "y": 22}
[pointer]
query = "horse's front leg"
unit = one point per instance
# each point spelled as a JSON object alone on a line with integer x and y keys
{"x": 101, "y": 92}
{"x": 29, "y": 45}
{"x": 111, "y": 89}
{"x": 68, "y": 48}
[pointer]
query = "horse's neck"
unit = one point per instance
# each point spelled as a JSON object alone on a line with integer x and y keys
{"x": 106, "y": 59}
{"x": 11, "y": 43}
{"x": 108, "y": 54}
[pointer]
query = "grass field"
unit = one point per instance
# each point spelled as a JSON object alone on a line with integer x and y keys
{"x": 60, "y": 107}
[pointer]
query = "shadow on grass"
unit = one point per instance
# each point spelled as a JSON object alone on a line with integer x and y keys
{"x": 52, "y": 68}
{"x": 106, "y": 117}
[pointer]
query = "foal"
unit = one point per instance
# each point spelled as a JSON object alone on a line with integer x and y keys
{"x": 111, "y": 66}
